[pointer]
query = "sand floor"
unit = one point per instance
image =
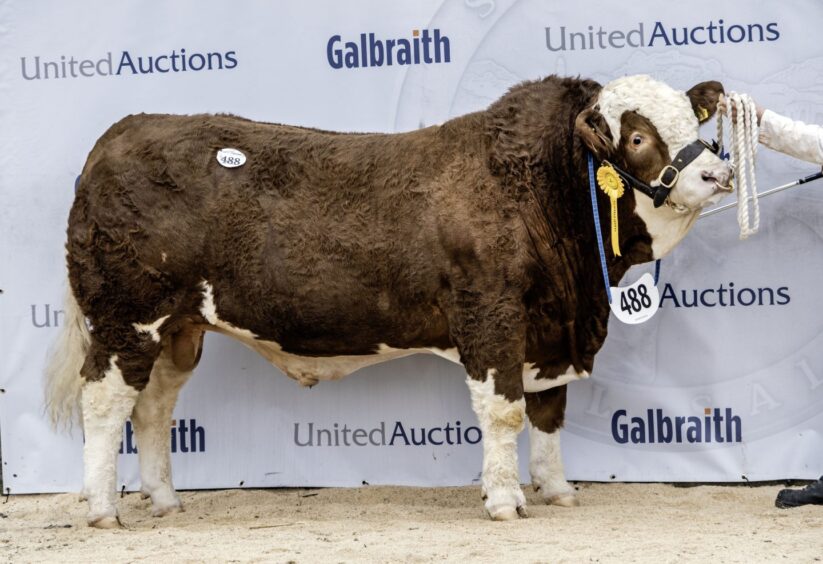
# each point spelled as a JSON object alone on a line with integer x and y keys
{"x": 614, "y": 523}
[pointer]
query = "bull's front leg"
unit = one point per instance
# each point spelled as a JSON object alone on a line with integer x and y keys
{"x": 545, "y": 411}
{"x": 492, "y": 347}
{"x": 501, "y": 420}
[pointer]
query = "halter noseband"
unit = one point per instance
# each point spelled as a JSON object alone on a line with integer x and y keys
{"x": 659, "y": 188}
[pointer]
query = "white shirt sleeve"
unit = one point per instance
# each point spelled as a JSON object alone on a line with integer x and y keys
{"x": 795, "y": 138}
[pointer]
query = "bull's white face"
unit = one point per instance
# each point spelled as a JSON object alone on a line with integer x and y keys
{"x": 672, "y": 125}
{"x": 702, "y": 183}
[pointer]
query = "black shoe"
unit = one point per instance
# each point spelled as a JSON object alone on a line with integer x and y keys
{"x": 811, "y": 494}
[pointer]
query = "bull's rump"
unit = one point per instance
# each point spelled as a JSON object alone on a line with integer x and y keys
{"x": 317, "y": 235}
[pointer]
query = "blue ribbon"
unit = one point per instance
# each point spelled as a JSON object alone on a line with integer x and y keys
{"x": 593, "y": 192}
{"x": 596, "y": 213}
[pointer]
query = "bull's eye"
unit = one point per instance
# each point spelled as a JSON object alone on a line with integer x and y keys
{"x": 637, "y": 139}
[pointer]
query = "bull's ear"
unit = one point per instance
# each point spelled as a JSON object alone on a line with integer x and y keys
{"x": 704, "y": 98}
{"x": 592, "y": 128}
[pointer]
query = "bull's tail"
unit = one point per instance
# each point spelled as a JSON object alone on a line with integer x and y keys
{"x": 63, "y": 380}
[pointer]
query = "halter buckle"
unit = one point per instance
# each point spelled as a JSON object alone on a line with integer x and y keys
{"x": 671, "y": 184}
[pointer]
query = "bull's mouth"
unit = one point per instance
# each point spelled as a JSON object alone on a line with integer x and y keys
{"x": 719, "y": 191}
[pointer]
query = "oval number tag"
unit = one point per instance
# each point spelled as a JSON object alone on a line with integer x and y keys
{"x": 230, "y": 158}
{"x": 636, "y": 303}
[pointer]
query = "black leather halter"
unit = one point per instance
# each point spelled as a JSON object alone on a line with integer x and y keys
{"x": 658, "y": 190}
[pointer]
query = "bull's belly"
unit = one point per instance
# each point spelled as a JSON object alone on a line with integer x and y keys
{"x": 311, "y": 370}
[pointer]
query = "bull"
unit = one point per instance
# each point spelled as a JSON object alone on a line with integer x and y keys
{"x": 327, "y": 252}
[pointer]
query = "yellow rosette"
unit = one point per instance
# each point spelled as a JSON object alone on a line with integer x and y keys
{"x": 611, "y": 183}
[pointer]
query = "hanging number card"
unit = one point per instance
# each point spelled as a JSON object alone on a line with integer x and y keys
{"x": 636, "y": 303}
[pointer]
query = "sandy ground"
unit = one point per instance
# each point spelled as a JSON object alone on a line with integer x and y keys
{"x": 614, "y": 523}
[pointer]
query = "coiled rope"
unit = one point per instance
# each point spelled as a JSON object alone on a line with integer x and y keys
{"x": 741, "y": 112}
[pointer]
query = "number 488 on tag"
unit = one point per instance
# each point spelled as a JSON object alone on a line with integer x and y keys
{"x": 230, "y": 158}
{"x": 636, "y": 303}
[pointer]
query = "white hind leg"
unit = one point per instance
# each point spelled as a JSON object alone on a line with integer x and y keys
{"x": 152, "y": 426}
{"x": 106, "y": 405}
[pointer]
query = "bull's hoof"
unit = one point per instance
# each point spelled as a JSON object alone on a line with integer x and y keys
{"x": 164, "y": 501}
{"x": 507, "y": 513}
{"x": 561, "y": 497}
{"x": 107, "y": 522}
{"x": 505, "y": 504}
{"x": 563, "y": 500}
{"x": 162, "y": 511}
{"x": 144, "y": 494}
{"x": 503, "y": 514}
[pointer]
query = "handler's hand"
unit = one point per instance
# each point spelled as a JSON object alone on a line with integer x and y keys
{"x": 723, "y": 109}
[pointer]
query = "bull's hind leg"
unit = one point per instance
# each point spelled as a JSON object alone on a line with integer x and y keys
{"x": 106, "y": 402}
{"x": 153, "y": 415}
{"x": 545, "y": 410}
{"x": 113, "y": 378}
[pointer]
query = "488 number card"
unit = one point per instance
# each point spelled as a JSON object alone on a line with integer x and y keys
{"x": 637, "y": 302}
{"x": 230, "y": 158}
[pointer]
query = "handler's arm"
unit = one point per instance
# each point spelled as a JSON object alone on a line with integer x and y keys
{"x": 795, "y": 138}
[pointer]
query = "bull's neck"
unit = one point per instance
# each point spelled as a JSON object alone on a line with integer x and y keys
{"x": 637, "y": 244}
{"x": 666, "y": 226}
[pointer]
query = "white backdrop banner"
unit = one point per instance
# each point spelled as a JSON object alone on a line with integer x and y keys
{"x": 725, "y": 383}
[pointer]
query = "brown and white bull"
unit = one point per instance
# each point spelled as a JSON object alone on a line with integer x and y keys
{"x": 328, "y": 252}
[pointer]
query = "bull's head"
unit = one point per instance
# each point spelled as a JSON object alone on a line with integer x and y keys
{"x": 650, "y": 132}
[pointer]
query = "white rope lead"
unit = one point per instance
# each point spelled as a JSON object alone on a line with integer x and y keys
{"x": 743, "y": 148}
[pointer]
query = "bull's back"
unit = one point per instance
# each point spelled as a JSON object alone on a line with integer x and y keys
{"x": 158, "y": 176}
{"x": 315, "y": 228}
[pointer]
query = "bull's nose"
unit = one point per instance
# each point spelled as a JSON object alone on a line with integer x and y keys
{"x": 719, "y": 177}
